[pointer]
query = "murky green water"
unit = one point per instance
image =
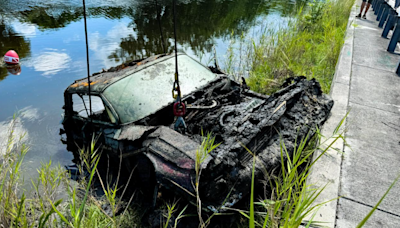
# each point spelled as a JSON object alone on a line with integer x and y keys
{"x": 49, "y": 38}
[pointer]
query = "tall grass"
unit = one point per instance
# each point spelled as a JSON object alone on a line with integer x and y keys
{"x": 308, "y": 44}
{"x": 48, "y": 206}
{"x": 10, "y": 165}
{"x": 291, "y": 199}
{"x": 207, "y": 145}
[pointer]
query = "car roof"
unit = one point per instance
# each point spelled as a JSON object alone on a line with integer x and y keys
{"x": 140, "y": 88}
{"x": 100, "y": 81}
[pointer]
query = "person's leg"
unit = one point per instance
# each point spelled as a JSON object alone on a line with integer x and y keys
{"x": 362, "y": 7}
{"x": 366, "y": 9}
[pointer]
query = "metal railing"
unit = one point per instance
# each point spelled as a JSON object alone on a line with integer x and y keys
{"x": 388, "y": 16}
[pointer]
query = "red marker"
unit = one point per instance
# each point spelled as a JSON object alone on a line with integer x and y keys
{"x": 11, "y": 57}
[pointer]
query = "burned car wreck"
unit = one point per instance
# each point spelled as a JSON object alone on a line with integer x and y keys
{"x": 133, "y": 117}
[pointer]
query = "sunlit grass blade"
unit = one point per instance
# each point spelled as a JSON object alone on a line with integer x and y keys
{"x": 252, "y": 219}
{"x": 362, "y": 223}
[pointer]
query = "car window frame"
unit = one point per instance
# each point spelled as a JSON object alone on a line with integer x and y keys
{"x": 75, "y": 115}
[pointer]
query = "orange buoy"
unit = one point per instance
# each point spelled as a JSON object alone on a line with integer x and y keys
{"x": 11, "y": 57}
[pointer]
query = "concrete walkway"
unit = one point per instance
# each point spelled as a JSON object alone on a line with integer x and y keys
{"x": 367, "y": 87}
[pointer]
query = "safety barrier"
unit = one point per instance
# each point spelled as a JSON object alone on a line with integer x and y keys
{"x": 387, "y": 15}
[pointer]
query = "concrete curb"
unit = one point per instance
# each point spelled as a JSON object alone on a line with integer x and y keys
{"x": 326, "y": 172}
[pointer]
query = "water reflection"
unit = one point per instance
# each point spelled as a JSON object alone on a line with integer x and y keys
{"x": 103, "y": 44}
{"x": 199, "y": 25}
{"x": 14, "y": 69}
{"x": 10, "y": 40}
{"x": 50, "y": 18}
{"x": 17, "y": 128}
{"x": 24, "y": 29}
{"x": 50, "y": 62}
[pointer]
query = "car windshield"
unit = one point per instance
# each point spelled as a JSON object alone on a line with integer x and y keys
{"x": 146, "y": 91}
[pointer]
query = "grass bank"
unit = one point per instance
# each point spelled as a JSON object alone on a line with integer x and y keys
{"x": 309, "y": 45}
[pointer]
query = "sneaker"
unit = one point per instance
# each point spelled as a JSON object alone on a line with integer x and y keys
{"x": 359, "y": 15}
{"x": 364, "y": 17}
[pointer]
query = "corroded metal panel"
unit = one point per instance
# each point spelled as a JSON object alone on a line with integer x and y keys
{"x": 173, "y": 147}
{"x": 132, "y": 132}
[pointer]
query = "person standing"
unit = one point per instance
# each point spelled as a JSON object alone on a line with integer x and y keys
{"x": 366, "y": 8}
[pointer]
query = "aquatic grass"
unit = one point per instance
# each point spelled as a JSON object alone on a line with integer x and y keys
{"x": 47, "y": 187}
{"x": 47, "y": 206}
{"x": 77, "y": 209}
{"x": 252, "y": 219}
{"x": 171, "y": 209}
{"x": 207, "y": 145}
{"x": 93, "y": 215}
{"x": 82, "y": 209}
{"x": 308, "y": 44}
{"x": 10, "y": 166}
{"x": 114, "y": 196}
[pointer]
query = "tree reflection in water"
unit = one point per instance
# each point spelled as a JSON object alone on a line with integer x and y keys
{"x": 199, "y": 23}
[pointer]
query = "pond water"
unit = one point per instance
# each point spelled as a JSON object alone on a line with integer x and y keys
{"x": 49, "y": 38}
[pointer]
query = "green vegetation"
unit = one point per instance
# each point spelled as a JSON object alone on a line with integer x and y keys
{"x": 10, "y": 209}
{"x": 47, "y": 207}
{"x": 207, "y": 145}
{"x": 291, "y": 201}
{"x": 307, "y": 45}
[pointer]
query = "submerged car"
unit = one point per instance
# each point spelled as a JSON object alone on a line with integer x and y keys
{"x": 132, "y": 114}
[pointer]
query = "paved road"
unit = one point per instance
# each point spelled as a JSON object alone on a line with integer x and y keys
{"x": 366, "y": 85}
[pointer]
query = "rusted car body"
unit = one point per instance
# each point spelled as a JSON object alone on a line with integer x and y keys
{"x": 133, "y": 116}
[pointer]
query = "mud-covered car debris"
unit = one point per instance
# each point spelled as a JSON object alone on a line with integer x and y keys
{"x": 133, "y": 118}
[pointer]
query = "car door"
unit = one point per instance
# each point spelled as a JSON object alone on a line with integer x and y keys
{"x": 91, "y": 119}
